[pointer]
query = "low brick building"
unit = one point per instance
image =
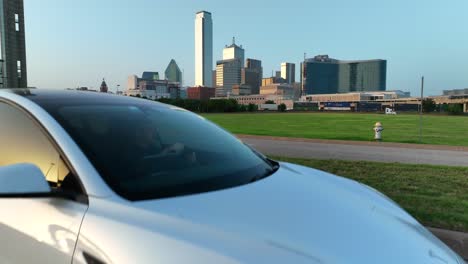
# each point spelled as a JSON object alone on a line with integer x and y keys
{"x": 200, "y": 93}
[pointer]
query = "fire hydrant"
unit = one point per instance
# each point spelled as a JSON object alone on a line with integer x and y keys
{"x": 378, "y": 128}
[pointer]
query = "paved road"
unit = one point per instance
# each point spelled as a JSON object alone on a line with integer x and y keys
{"x": 403, "y": 153}
{"x": 457, "y": 241}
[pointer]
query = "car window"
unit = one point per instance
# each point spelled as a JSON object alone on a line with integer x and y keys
{"x": 22, "y": 141}
{"x": 147, "y": 151}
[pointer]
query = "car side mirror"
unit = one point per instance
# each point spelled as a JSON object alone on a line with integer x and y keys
{"x": 22, "y": 179}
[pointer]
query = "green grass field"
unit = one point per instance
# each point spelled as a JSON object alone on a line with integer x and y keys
{"x": 440, "y": 130}
{"x": 435, "y": 195}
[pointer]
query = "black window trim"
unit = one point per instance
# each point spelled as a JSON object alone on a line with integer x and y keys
{"x": 79, "y": 197}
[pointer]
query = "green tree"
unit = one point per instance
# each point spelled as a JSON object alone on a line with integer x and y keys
{"x": 282, "y": 107}
{"x": 428, "y": 105}
{"x": 252, "y": 107}
{"x": 210, "y": 106}
{"x": 455, "y": 109}
{"x": 164, "y": 100}
{"x": 231, "y": 105}
{"x": 204, "y": 106}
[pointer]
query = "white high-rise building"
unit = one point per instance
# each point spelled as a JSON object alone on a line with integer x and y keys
{"x": 203, "y": 49}
{"x": 132, "y": 82}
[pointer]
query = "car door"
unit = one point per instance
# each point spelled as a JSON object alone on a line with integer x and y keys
{"x": 37, "y": 230}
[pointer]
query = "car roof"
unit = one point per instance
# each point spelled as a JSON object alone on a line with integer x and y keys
{"x": 46, "y": 98}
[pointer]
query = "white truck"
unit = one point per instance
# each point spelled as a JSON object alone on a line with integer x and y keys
{"x": 269, "y": 107}
{"x": 389, "y": 111}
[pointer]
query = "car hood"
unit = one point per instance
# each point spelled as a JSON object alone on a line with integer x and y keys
{"x": 313, "y": 214}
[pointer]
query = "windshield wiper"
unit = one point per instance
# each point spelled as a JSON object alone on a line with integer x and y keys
{"x": 268, "y": 172}
{"x": 273, "y": 164}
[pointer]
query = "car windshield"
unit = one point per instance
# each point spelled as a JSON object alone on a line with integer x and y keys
{"x": 145, "y": 151}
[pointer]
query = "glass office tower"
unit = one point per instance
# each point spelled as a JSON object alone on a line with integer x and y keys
{"x": 173, "y": 72}
{"x": 13, "y": 72}
{"x": 324, "y": 75}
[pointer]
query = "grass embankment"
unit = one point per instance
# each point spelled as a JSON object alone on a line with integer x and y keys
{"x": 435, "y": 195}
{"x": 440, "y": 130}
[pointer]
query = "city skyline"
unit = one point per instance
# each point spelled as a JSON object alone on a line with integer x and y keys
{"x": 65, "y": 50}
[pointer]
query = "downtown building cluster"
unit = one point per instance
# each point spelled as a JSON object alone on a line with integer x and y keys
{"x": 324, "y": 83}
{"x": 151, "y": 86}
{"x": 235, "y": 76}
{"x": 242, "y": 79}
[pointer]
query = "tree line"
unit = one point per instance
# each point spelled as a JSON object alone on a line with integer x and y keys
{"x": 209, "y": 106}
{"x": 214, "y": 106}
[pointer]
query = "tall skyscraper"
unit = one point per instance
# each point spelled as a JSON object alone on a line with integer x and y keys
{"x": 228, "y": 74}
{"x": 214, "y": 78}
{"x": 132, "y": 82}
{"x": 288, "y": 72}
{"x": 13, "y": 72}
{"x": 253, "y": 64}
{"x": 173, "y": 72}
{"x": 228, "y": 70}
{"x": 203, "y": 49}
{"x": 324, "y": 75}
{"x": 234, "y": 52}
{"x": 277, "y": 74}
{"x": 252, "y": 75}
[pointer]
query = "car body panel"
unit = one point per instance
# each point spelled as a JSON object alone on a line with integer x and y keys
{"x": 39, "y": 230}
{"x": 152, "y": 237}
{"x": 296, "y": 214}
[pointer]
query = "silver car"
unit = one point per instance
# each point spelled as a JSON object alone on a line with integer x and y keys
{"x": 96, "y": 178}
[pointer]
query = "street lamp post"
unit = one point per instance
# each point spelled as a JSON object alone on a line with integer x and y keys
{"x": 421, "y": 110}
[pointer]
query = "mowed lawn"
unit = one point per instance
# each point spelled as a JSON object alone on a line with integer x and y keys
{"x": 441, "y": 130}
{"x": 435, "y": 195}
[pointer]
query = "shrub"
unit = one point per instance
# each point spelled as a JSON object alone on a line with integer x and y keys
{"x": 252, "y": 107}
{"x": 210, "y": 106}
{"x": 282, "y": 107}
{"x": 455, "y": 109}
{"x": 428, "y": 105}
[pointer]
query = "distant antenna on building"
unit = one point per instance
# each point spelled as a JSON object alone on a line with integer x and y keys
{"x": 304, "y": 56}
{"x": 233, "y": 40}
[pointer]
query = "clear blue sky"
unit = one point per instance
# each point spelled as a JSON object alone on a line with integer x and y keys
{"x": 71, "y": 43}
